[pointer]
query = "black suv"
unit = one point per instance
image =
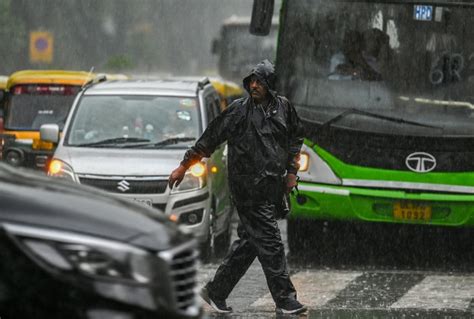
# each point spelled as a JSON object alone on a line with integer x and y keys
{"x": 74, "y": 252}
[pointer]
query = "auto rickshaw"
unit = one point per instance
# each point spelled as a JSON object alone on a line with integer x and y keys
{"x": 3, "y": 85}
{"x": 228, "y": 91}
{"x": 34, "y": 98}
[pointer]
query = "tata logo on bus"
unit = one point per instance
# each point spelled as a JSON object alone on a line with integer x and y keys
{"x": 420, "y": 162}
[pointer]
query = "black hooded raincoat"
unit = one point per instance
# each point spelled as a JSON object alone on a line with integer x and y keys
{"x": 263, "y": 143}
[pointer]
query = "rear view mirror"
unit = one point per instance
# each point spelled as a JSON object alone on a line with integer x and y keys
{"x": 49, "y": 133}
{"x": 215, "y": 46}
{"x": 262, "y": 13}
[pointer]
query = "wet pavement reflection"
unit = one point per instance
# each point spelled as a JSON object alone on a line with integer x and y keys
{"x": 433, "y": 282}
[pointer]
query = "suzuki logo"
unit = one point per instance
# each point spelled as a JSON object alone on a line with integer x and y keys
{"x": 420, "y": 162}
{"x": 123, "y": 186}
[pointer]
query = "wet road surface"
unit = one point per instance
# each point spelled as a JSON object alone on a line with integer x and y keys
{"x": 355, "y": 291}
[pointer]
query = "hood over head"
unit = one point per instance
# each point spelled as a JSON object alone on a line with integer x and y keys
{"x": 265, "y": 71}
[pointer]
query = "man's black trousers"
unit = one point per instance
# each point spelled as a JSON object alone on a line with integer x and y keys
{"x": 259, "y": 236}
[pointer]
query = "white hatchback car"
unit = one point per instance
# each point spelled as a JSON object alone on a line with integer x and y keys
{"x": 127, "y": 136}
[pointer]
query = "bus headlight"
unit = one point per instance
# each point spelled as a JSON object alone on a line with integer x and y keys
{"x": 303, "y": 162}
{"x": 60, "y": 169}
{"x": 316, "y": 170}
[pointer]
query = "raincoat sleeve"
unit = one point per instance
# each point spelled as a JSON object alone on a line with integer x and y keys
{"x": 295, "y": 139}
{"x": 215, "y": 134}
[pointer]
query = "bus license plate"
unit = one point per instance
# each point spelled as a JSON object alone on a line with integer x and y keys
{"x": 146, "y": 202}
{"x": 411, "y": 211}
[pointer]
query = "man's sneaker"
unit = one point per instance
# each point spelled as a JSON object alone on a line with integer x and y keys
{"x": 292, "y": 307}
{"x": 218, "y": 305}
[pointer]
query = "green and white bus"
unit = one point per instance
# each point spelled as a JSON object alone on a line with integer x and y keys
{"x": 386, "y": 92}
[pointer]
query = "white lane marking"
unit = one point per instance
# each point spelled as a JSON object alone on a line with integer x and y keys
{"x": 439, "y": 292}
{"x": 314, "y": 288}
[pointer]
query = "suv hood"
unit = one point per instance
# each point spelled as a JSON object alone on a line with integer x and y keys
{"x": 123, "y": 162}
{"x": 33, "y": 200}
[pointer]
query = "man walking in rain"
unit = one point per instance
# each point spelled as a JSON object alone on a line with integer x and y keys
{"x": 264, "y": 139}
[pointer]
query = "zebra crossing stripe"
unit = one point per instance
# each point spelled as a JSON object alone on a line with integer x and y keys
{"x": 376, "y": 290}
{"x": 314, "y": 288}
{"x": 439, "y": 292}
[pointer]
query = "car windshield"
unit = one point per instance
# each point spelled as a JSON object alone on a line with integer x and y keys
{"x": 30, "y": 111}
{"x": 404, "y": 60}
{"x": 111, "y": 120}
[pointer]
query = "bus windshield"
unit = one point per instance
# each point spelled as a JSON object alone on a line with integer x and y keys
{"x": 410, "y": 61}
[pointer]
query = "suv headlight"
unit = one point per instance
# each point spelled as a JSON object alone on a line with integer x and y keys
{"x": 195, "y": 178}
{"x": 118, "y": 270}
{"x": 60, "y": 169}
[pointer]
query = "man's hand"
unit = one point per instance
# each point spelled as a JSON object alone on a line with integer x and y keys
{"x": 291, "y": 182}
{"x": 176, "y": 176}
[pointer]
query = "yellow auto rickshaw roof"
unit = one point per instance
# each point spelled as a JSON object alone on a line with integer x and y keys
{"x": 49, "y": 77}
{"x": 3, "y": 82}
{"x": 226, "y": 88}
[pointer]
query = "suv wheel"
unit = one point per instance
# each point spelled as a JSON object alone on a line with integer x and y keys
{"x": 207, "y": 249}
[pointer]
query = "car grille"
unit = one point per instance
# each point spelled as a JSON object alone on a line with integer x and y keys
{"x": 182, "y": 266}
{"x": 184, "y": 272}
{"x": 127, "y": 186}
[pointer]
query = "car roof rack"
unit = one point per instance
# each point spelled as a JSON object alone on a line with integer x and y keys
{"x": 203, "y": 82}
{"x": 97, "y": 79}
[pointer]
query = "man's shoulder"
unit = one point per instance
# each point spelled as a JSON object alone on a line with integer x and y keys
{"x": 237, "y": 104}
{"x": 284, "y": 101}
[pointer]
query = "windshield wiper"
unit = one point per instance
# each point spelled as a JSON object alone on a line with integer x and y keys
{"x": 116, "y": 141}
{"x": 375, "y": 115}
{"x": 166, "y": 142}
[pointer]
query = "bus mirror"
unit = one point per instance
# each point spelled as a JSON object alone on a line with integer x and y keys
{"x": 215, "y": 48}
{"x": 49, "y": 133}
{"x": 262, "y": 13}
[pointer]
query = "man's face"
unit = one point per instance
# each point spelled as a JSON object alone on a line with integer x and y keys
{"x": 258, "y": 91}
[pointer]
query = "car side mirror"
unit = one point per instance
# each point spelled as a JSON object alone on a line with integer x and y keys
{"x": 215, "y": 47}
{"x": 262, "y": 14}
{"x": 49, "y": 133}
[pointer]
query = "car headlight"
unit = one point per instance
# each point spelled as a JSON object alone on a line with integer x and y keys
{"x": 89, "y": 256}
{"x": 60, "y": 169}
{"x": 314, "y": 169}
{"x": 195, "y": 178}
{"x": 119, "y": 271}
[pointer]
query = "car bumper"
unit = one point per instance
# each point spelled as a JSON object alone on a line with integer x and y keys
{"x": 322, "y": 201}
{"x": 180, "y": 205}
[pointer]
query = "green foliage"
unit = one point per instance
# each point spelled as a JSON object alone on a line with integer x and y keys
{"x": 119, "y": 63}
